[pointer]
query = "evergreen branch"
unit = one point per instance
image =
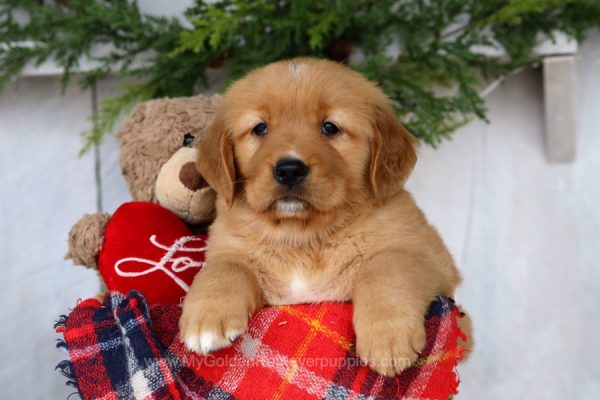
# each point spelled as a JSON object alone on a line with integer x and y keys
{"x": 434, "y": 80}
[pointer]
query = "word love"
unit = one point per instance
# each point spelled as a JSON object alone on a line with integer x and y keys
{"x": 169, "y": 263}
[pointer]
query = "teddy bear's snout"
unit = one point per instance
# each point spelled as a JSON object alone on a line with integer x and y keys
{"x": 190, "y": 178}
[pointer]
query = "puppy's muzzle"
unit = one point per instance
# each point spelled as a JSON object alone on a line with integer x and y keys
{"x": 290, "y": 172}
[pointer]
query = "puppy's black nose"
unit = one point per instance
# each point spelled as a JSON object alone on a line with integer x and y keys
{"x": 290, "y": 171}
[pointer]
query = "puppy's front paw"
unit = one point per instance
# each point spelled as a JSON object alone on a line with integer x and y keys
{"x": 391, "y": 344}
{"x": 209, "y": 325}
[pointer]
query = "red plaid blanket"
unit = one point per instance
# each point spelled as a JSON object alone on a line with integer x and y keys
{"x": 124, "y": 349}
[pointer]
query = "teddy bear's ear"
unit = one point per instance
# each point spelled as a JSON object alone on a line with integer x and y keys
{"x": 216, "y": 160}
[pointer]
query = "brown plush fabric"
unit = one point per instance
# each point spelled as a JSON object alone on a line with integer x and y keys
{"x": 86, "y": 238}
{"x": 466, "y": 325}
{"x": 193, "y": 206}
{"x": 155, "y": 131}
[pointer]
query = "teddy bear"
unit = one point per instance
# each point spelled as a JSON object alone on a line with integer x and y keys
{"x": 158, "y": 155}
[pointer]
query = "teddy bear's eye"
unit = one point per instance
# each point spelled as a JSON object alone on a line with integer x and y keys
{"x": 188, "y": 139}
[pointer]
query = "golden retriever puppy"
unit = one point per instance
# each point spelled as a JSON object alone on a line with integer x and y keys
{"x": 309, "y": 161}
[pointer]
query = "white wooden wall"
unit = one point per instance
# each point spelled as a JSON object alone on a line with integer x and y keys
{"x": 526, "y": 235}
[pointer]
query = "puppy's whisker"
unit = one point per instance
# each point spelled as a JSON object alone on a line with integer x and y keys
{"x": 236, "y": 182}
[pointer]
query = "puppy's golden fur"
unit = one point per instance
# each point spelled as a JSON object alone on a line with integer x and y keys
{"x": 352, "y": 231}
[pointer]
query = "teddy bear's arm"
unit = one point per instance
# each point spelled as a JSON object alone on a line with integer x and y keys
{"x": 86, "y": 238}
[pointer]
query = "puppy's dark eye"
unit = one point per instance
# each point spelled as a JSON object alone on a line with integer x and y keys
{"x": 329, "y": 129}
{"x": 188, "y": 139}
{"x": 260, "y": 129}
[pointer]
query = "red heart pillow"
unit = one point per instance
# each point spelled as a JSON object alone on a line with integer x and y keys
{"x": 149, "y": 249}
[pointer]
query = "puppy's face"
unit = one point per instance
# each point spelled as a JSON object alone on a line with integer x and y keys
{"x": 300, "y": 139}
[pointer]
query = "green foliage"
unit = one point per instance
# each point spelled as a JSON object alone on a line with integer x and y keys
{"x": 433, "y": 72}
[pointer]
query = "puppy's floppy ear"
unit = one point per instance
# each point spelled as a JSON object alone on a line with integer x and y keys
{"x": 216, "y": 161}
{"x": 393, "y": 154}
